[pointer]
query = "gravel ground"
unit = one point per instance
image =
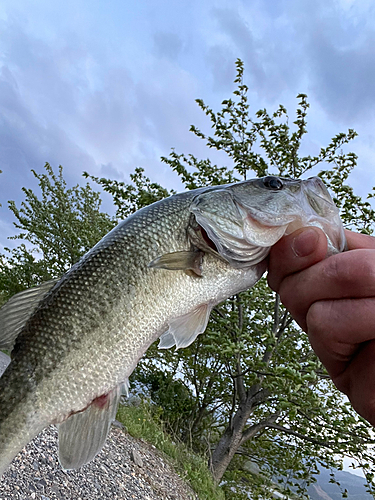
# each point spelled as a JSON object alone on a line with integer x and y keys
{"x": 126, "y": 468}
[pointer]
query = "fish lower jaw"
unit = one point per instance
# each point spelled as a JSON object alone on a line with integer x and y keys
{"x": 294, "y": 226}
{"x": 335, "y": 234}
{"x": 300, "y": 223}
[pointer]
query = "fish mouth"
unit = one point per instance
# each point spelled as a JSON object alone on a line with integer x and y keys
{"x": 319, "y": 210}
{"x": 241, "y": 229}
{"x": 319, "y": 198}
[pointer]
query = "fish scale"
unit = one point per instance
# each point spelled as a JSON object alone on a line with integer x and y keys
{"x": 157, "y": 274}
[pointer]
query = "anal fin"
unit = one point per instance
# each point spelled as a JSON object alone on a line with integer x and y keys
{"x": 83, "y": 434}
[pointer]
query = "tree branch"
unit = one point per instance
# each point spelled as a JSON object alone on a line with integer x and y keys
{"x": 254, "y": 429}
{"x": 326, "y": 444}
{"x": 276, "y": 315}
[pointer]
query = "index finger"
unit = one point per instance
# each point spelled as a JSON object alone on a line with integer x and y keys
{"x": 304, "y": 248}
{"x": 358, "y": 240}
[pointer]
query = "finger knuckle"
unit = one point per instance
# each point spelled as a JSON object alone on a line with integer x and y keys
{"x": 347, "y": 270}
{"x": 287, "y": 292}
{"x": 324, "y": 320}
{"x": 316, "y": 316}
{"x": 327, "y": 324}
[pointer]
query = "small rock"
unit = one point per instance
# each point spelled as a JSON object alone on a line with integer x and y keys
{"x": 35, "y": 466}
{"x": 117, "y": 424}
{"x": 136, "y": 457}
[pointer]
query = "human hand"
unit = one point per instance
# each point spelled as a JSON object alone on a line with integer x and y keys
{"x": 333, "y": 300}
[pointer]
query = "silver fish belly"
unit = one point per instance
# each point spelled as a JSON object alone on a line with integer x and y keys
{"x": 159, "y": 273}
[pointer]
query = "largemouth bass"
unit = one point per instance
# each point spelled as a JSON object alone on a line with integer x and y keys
{"x": 159, "y": 273}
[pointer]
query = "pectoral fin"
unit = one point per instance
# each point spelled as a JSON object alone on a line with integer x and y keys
{"x": 175, "y": 261}
{"x": 83, "y": 434}
{"x": 4, "y": 362}
{"x": 184, "y": 329}
{"x": 15, "y": 313}
{"x": 167, "y": 340}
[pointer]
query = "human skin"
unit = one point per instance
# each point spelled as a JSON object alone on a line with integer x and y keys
{"x": 333, "y": 300}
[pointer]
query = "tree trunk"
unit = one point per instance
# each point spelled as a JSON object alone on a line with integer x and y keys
{"x": 228, "y": 444}
{"x": 236, "y": 434}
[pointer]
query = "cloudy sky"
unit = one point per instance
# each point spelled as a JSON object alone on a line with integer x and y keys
{"x": 108, "y": 86}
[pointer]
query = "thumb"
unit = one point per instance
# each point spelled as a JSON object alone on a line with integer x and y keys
{"x": 295, "y": 252}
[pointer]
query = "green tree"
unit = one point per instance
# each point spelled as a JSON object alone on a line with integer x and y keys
{"x": 56, "y": 229}
{"x": 128, "y": 198}
{"x": 259, "y": 396}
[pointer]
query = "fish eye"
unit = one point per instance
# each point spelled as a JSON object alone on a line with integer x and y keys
{"x": 271, "y": 182}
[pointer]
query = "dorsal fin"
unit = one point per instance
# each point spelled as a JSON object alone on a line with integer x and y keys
{"x": 18, "y": 309}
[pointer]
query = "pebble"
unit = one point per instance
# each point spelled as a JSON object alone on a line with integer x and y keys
{"x": 136, "y": 457}
{"x": 126, "y": 469}
{"x": 118, "y": 424}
